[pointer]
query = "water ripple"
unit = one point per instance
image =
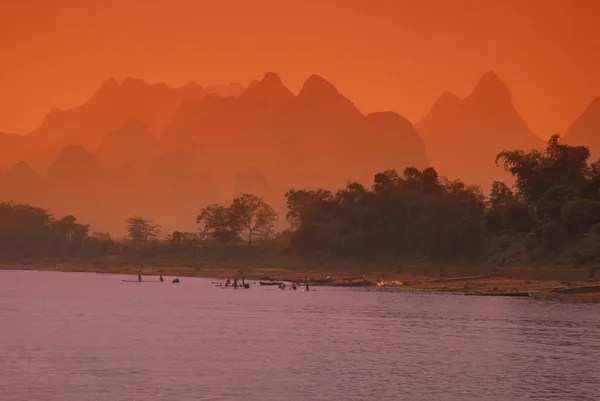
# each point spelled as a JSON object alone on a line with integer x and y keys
{"x": 90, "y": 337}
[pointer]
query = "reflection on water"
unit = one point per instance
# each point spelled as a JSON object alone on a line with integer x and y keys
{"x": 90, "y": 337}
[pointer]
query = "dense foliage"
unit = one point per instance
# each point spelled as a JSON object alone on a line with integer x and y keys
{"x": 409, "y": 215}
{"x": 140, "y": 230}
{"x": 552, "y": 215}
{"x": 27, "y": 231}
{"x": 247, "y": 216}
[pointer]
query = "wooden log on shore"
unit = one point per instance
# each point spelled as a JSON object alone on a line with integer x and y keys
{"x": 468, "y": 278}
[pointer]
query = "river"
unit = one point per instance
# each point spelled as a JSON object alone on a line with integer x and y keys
{"x": 91, "y": 337}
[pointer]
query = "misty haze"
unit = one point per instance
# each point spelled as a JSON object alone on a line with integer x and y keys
{"x": 284, "y": 200}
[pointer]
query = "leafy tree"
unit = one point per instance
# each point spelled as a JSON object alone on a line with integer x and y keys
{"x": 100, "y": 243}
{"x": 247, "y": 214}
{"x": 300, "y": 202}
{"x": 140, "y": 229}
{"x": 548, "y": 179}
{"x": 27, "y": 231}
{"x": 506, "y": 213}
{"x": 409, "y": 214}
{"x": 70, "y": 233}
{"x": 581, "y": 215}
{"x": 252, "y": 215}
{"x": 557, "y": 191}
{"x": 500, "y": 195}
{"x": 218, "y": 223}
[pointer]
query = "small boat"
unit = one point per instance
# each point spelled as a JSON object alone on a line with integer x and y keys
{"x": 270, "y": 281}
{"x": 499, "y": 294}
{"x": 143, "y": 281}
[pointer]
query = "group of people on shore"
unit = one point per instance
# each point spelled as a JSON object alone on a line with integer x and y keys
{"x": 295, "y": 286}
{"x": 235, "y": 283}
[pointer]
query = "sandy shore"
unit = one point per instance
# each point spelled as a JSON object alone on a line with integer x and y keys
{"x": 486, "y": 284}
{"x": 509, "y": 286}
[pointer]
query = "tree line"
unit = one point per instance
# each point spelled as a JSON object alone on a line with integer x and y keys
{"x": 28, "y": 231}
{"x": 551, "y": 214}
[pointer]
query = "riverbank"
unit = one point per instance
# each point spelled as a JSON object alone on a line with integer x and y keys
{"x": 505, "y": 282}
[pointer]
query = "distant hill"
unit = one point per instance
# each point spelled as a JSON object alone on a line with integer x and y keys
{"x": 585, "y": 130}
{"x": 317, "y": 138}
{"x": 228, "y": 134}
{"x": 21, "y": 184}
{"x": 165, "y": 153}
{"x": 233, "y": 89}
{"x": 389, "y": 138}
{"x": 74, "y": 166}
{"x": 110, "y": 107}
{"x": 252, "y": 181}
{"x": 132, "y": 143}
{"x": 167, "y": 188}
{"x": 74, "y": 185}
{"x": 317, "y": 130}
{"x": 12, "y": 147}
{"x": 108, "y": 110}
{"x": 463, "y": 137}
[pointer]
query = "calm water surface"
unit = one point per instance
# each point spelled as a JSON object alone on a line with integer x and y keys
{"x": 91, "y": 337}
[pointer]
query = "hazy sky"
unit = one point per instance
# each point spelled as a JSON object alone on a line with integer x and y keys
{"x": 385, "y": 55}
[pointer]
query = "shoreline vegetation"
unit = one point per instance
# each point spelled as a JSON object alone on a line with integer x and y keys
{"x": 550, "y": 282}
{"x": 542, "y": 236}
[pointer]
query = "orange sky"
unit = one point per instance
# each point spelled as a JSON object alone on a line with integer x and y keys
{"x": 384, "y": 54}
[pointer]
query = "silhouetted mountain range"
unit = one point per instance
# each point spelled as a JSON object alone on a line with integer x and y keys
{"x": 107, "y": 110}
{"x": 164, "y": 153}
{"x": 463, "y": 137}
{"x": 21, "y": 184}
{"x": 132, "y": 143}
{"x": 586, "y": 129}
{"x": 11, "y": 149}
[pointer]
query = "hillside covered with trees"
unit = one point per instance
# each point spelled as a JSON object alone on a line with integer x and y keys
{"x": 550, "y": 217}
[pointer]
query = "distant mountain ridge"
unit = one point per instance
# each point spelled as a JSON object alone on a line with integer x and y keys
{"x": 107, "y": 110}
{"x": 133, "y": 143}
{"x": 585, "y": 130}
{"x": 463, "y": 137}
{"x": 164, "y": 153}
{"x": 271, "y": 129}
